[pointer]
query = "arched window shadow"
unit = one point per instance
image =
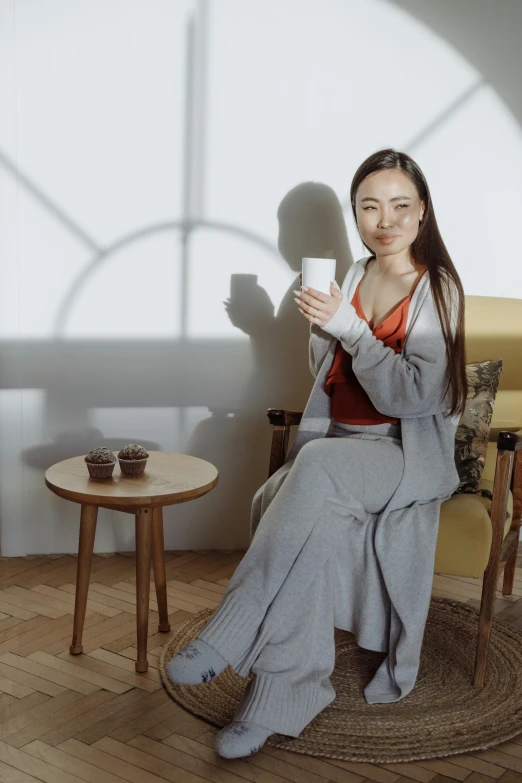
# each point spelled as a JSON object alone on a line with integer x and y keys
{"x": 280, "y": 358}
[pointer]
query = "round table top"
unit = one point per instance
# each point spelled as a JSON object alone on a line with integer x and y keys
{"x": 169, "y": 478}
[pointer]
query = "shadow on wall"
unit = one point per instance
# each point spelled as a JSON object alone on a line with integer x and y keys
{"x": 486, "y": 34}
{"x": 236, "y": 381}
{"x": 70, "y": 444}
{"x": 311, "y": 223}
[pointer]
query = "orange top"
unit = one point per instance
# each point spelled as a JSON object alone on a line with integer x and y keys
{"x": 350, "y": 403}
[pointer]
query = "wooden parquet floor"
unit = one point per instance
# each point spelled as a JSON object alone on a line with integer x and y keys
{"x": 65, "y": 718}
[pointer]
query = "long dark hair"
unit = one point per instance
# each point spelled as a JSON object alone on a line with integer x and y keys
{"x": 428, "y": 248}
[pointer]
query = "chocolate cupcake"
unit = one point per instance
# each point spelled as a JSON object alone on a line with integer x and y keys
{"x": 100, "y": 462}
{"x": 133, "y": 459}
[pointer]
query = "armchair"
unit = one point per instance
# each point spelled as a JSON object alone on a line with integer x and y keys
{"x": 473, "y": 542}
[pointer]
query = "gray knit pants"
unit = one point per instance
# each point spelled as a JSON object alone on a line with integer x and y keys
{"x": 277, "y": 616}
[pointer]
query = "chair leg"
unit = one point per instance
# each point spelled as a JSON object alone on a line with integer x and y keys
{"x": 88, "y": 517}
{"x": 516, "y": 486}
{"x": 143, "y": 562}
{"x": 158, "y": 563}
{"x": 509, "y": 573}
{"x": 503, "y": 470}
{"x": 489, "y": 588}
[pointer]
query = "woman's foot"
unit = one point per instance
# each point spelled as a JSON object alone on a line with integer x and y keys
{"x": 241, "y": 738}
{"x": 195, "y": 663}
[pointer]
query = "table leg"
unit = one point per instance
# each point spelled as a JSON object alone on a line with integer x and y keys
{"x": 143, "y": 562}
{"x": 158, "y": 563}
{"x": 88, "y": 517}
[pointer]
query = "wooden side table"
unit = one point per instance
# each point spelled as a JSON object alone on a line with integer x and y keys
{"x": 168, "y": 478}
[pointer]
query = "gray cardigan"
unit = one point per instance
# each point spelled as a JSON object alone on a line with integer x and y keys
{"x": 409, "y": 386}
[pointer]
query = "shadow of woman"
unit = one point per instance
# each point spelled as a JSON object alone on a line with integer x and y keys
{"x": 311, "y": 223}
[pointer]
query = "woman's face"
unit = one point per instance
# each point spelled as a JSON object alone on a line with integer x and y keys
{"x": 387, "y": 203}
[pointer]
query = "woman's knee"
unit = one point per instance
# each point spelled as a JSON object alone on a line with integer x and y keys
{"x": 315, "y": 456}
{"x": 312, "y": 465}
{"x": 310, "y": 450}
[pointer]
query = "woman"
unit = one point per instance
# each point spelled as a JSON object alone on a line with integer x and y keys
{"x": 344, "y": 533}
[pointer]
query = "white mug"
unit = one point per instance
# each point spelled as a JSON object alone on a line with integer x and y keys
{"x": 317, "y": 273}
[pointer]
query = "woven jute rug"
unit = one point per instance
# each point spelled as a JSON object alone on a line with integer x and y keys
{"x": 443, "y": 714}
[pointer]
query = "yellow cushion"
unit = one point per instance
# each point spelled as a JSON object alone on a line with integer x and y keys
{"x": 464, "y": 538}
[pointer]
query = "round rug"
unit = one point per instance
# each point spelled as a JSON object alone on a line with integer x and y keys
{"x": 443, "y": 714}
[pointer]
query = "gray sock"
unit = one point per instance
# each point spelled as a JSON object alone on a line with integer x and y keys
{"x": 241, "y": 738}
{"x": 195, "y": 663}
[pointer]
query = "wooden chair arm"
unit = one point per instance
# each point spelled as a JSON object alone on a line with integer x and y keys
{"x": 509, "y": 441}
{"x": 282, "y": 421}
{"x": 282, "y": 418}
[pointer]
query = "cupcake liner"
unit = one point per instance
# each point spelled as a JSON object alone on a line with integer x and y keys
{"x": 132, "y": 467}
{"x": 100, "y": 469}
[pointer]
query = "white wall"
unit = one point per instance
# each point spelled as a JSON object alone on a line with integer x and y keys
{"x": 155, "y": 141}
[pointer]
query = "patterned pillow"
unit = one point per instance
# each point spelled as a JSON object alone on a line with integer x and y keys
{"x": 472, "y": 436}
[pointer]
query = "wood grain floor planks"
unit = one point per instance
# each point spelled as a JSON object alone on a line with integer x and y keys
{"x": 69, "y": 718}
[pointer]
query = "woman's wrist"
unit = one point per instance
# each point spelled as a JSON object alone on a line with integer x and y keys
{"x": 342, "y": 319}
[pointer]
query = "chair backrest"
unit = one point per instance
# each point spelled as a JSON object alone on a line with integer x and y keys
{"x": 493, "y": 327}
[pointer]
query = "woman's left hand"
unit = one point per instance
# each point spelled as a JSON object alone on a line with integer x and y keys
{"x": 317, "y": 307}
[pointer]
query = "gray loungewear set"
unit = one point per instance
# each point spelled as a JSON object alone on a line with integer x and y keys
{"x": 344, "y": 533}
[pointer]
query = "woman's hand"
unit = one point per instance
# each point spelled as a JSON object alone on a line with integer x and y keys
{"x": 317, "y": 307}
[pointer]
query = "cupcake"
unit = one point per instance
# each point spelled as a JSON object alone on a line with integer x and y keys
{"x": 133, "y": 459}
{"x": 100, "y": 462}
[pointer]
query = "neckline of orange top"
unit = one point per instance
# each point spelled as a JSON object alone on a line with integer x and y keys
{"x": 356, "y": 301}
